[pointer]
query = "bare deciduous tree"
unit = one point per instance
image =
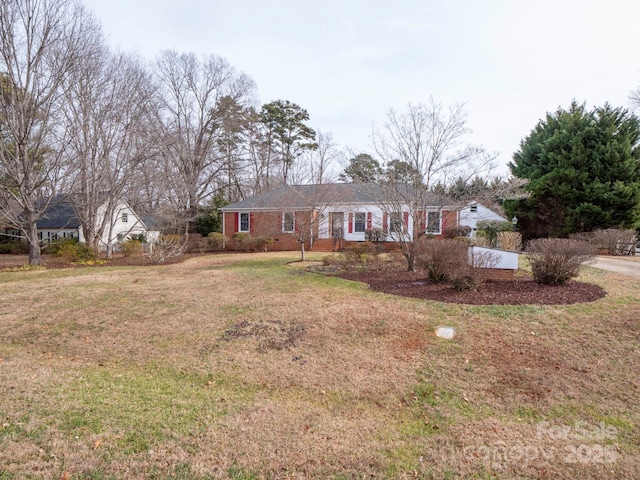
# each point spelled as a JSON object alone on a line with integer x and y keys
{"x": 634, "y": 97}
{"x": 232, "y": 144}
{"x": 308, "y": 218}
{"x": 106, "y": 116}
{"x": 321, "y": 161}
{"x": 419, "y": 148}
{"x": 189, "y": 124}
{"x": 259, "y": 156}
{"x": 41, "y": 44}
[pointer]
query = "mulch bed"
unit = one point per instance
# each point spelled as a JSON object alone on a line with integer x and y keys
{"x": 520, "y": 291}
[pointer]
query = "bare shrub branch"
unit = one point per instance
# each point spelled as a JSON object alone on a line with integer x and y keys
{"x": 473, "y": 273}
{"x": 167, "y": 246}
{"x": 617, "y": 241}
{"x": 556, "y": 260}
{"x": 420, "y": 148}
{"x": 509, "y": 241}
{"x": 440, "y": 258}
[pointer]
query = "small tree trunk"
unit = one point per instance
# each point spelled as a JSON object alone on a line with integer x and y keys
{"x": 302, "y": 251}
{"x": 34, "y": 245}
{"x": 410, "y": 262}
{"x": 91, "y": 239}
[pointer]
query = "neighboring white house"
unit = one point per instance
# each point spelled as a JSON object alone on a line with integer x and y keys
{"x": 474, "y": 212}
{"x": 60, "y": 221}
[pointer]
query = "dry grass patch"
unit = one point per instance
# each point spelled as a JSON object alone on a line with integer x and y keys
{"x": 238, "y": 366}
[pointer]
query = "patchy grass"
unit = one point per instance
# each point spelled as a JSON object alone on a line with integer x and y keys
{"x": 244, "y": 367}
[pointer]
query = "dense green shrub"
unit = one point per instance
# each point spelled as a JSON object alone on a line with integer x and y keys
{"x": 491, "y": 228}
{"x": 14, "y": 247}
{"x": 217, "y": 240}
{"x": 73, "y": 251}
{"x": 556, "y": 260}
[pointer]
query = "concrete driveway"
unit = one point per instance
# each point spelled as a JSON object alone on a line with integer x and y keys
{"x": 618, "y": 265}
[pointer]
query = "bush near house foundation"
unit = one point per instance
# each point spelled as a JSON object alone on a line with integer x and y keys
{"x": 375, "y": 235}
{"x": 363, "y": 252}
{"x": 244, "y": 242}
{"x": 217, "y": 241}
{"x": 457, "y": 231}
{"x": 261, "y": 244}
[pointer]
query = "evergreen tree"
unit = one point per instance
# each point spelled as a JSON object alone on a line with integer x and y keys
{"x": 362, "y": 168}
{"x": 583, "y": 169}
{"x": 398, "y": 171}
{"x": 289, "y": 135}
{"x": 210, "y": 218}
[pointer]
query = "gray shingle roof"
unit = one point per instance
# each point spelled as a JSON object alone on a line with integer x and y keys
{"x": 59, "y": 214}
{"x": 304, "y": 196}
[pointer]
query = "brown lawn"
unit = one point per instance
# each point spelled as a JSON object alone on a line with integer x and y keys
{"x": 239, "y": 366}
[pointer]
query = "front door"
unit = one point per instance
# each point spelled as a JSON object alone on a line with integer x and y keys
{"x": 337, "y": 223}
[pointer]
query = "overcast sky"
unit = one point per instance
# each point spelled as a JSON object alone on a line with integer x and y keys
{"x": 349, "y": 61}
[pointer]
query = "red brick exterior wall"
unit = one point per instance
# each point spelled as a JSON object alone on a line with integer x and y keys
{"x": 268, "y": 225}
{"x": 449, "y": 219}
{"x": 500, "y": 274}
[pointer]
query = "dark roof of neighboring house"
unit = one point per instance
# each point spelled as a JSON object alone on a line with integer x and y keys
{"x": 151, "y": 222}
{"x": 58, "y": 214}
{"x": 305, "y": 196}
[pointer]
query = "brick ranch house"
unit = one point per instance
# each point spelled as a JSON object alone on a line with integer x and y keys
{"x": 333, "y": 216}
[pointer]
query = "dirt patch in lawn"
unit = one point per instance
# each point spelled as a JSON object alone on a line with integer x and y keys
{"x": 522, "y": 290}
